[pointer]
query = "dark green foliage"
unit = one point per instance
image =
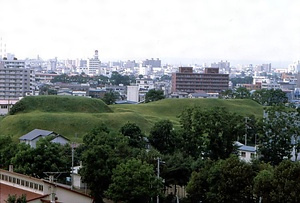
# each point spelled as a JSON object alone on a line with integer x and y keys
{"x": 242, "y": 93}
{"x": 154, "y": 95}
{"x": 162, "y": 136}
{"x": 16, "y": 199}
{"x": 227, "y": 180}
{"x": 244, "y": 80}
{"x": 210, "y": 132}
{"x": 18, "y": 107}
{"x": 104, "y": 151}
{"x": 279, "y": 128}
{"x": 59, "y": 104}
{"x": 117, "y": 79}
{"x": 47, "y": 90}
{"x": 133, "y": 182}
{"x": 47, "y": 156}
{"x": 270, "y": 97}
{"x": 7, "y": 151}
{"x": 134, "y": 133}
{"x": 110, "y": 97}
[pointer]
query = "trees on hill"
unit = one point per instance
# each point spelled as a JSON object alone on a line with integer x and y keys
{"x": 270, "y": 97}
{"x": 154, "y": 95}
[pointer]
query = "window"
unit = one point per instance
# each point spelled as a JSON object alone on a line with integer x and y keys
{"x": 14, "y": 180}
{"x": 9, "y": 179}
{"x": 35, "y": 186}
{"x": 252, "y": 155}
{"x": 27, "y": 184}
{"x": 31, "y": 185}
{"x": 243, "y": 154}
{"x": 41, "y": 188}
{"x": 22, "y": 182}
{"x": 18, "y": 181}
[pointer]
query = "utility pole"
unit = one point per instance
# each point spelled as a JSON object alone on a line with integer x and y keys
{"x": 246, "y": 130}
{"x": 72, "y": 180}
{"x": 158, "y": 161}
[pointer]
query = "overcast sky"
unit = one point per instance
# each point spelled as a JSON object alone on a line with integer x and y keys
{"x": 197, "y": 30}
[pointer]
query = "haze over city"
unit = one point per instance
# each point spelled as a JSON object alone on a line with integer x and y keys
{"x": 176, "y": 31}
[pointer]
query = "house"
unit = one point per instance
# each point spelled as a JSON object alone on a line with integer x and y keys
{"x": 38, "y": 190}
{"x": 33, "y": 136}
{"x": 246, "y": 153}
{"x": 200, "y": 94}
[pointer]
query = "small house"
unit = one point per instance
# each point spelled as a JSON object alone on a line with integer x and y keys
{"x": 33, "y": 136}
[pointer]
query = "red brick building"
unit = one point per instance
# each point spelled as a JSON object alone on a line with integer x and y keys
{"x": 211, "y": 81}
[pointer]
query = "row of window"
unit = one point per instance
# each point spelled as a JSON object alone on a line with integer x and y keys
{"x": 22, "y": 182}
{"x": 243, "y": 154}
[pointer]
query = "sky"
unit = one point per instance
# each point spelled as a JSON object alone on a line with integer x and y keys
{"x": 192, "y": 31}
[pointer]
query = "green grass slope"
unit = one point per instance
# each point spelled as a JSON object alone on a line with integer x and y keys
{"x": 63, "y": 104}
{"x": 71, "y": 123}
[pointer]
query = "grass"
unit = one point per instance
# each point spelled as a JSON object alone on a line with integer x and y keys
{"x": 70, "y": 123}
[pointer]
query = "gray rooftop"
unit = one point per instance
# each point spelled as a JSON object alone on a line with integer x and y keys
{"x": 36, "y": 133}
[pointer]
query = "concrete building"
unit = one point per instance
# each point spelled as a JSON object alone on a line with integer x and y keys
{"x": 94, "y": 65}
{"x": 211, "y": 81}
{"x": 152, "y": 62}
{"x": 15, "y": 79}
{"x": 133, "y": 93}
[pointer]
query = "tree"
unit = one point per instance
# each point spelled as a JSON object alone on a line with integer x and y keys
{"x": 162, "y": 136}
{"x": 286, "y": 182}
{"x": 243, "y": 80}
{"x": 15, "y": 199}
{"x": 279, "y": 127}
{"x": 263, "y": 184}
{"x": 270, "y": 97}
{"x": 134, "y": 133}
{"x": 227, "y": 180}
{"x": 7, "y": 151}
{"x": 104, "y": 151}
{"x": 133, "y": 181}
{"x": 154, "y": 95}
{"x": 242, "y": 93}
{"x": 47, "y": 156}
{"x": 117, "y": 79}
{"x": 110, "y": 97}
{"x": 213, "y": 131}
{"x": 227, "y": 94}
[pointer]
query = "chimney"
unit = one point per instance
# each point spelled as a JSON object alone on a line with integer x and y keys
{"x": 11, "y": 168}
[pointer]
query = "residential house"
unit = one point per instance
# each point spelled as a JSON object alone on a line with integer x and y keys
{"x": 33, "y": 136}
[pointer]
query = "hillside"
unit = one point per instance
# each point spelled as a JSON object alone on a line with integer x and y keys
{"x": 61, "y": 104}
{"x": 69, "y": 122}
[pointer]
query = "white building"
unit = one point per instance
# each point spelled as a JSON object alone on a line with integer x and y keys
{"x": 294, "y": 68}
{"x": 94, "y": 65}
{"x": 38, "y": 190}
{"x": 246, "y": 153}
{"x": 133, "y": 93}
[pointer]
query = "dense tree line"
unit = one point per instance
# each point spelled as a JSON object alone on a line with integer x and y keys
{"x": 200, "y": 154}
{"x": 266, "y": 97}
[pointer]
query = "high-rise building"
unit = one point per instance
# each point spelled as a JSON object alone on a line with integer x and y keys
{"x": 152, "y": 62}
{"x": 211, "y": 81}
{"x": 15, "y": 79}
{"x": 94, "y": 65}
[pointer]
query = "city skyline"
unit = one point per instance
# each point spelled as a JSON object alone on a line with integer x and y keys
{"x": 180, "y": 31}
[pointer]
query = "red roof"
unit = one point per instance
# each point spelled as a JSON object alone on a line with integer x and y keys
{"x": 6, "y": 190}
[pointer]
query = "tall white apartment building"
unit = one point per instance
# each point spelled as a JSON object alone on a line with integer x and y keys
{"x": 15, "y": 79}
{"x": 94, "y": 65}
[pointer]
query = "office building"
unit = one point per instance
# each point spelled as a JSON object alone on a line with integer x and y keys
{"x": 152, "y": 62}
{"x": 16, "y": 80}
{"x": 211, "y": 81}
{"x": 94, "y": 65}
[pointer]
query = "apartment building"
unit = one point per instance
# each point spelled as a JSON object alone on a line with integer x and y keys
{"x": 15, "y": 79}
{"x": 211, "y": 81}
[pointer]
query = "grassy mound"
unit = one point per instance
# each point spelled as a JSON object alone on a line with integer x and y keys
{"x": 77, "y": 120}
{"x": 60, "y": 104}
